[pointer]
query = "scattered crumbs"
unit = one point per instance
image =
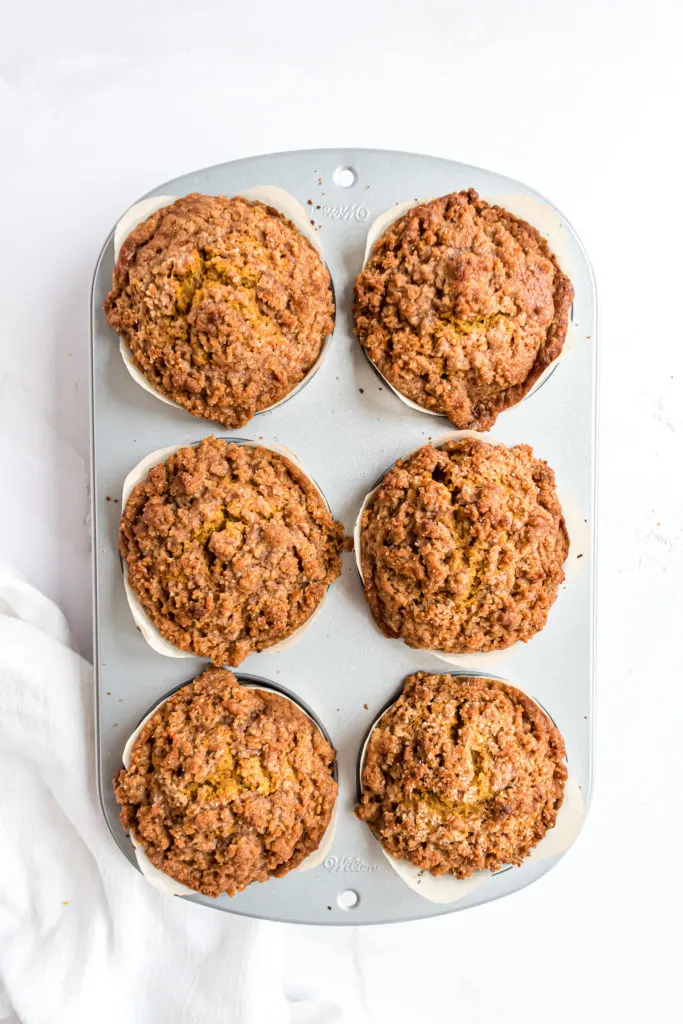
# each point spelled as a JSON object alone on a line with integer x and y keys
{"x": 320, "y": 181}
{"x": 312, "y": 222}
{"x": 362, "y": 391}
{"x": 116, "y": 501}
{"x": 585, "y": 716}
{"x": 318, "y": 207}
{"x": 588, "y": 337}
{"x": 109, "y": 499}
{"x": 380, "y": 389}
{"x": 260, "y": 437}
{"x": 138, "y": 629}
{"x": 310, "y": 202}
{"x": 367, "y": 187}
{"x": 108, "y": 693}
{"x": 329, "y": 908}
{"x": 366, "y": 707}
{"x": 579, "y": 556}
{"x": 120, "y": 699}
{"x": 65, "y": 903}
{"x": 69, "y": 354}
{"x": 659, "y": 524}
{"x": 114, "y": 725}
{"x": 337, "y": 709}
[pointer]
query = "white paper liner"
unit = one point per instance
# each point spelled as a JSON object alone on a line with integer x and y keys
{"x": 528, "y": 208}
{"x": 270, "y": 195}
{"x": 579, "y": 542}
{"x": 163, "y": 882}
{"x": 146, "y": 627}
{"x": 447, "y": 888}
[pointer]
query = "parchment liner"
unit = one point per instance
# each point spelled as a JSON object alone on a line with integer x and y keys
{"x": 165, "y": 883}
{"x": 270, "y": 195}
{"x": 447, "y": 888}
{"x": 577, "y": 528}
{"x": 146, "y": 627}
{"x": 527, "y": 208}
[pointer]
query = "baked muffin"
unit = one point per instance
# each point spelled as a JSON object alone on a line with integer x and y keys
{"x": 461, "y": 775}
{"x": 227, "y": 785}
{"x": 229, "y": 548}
{"x": 223, "y": 304}
{"x": 462, "y": 306}
{"x": 462, "y": 547}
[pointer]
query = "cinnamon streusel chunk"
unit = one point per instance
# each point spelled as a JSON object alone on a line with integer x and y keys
{"x": 227, "y": 785}
{"x": 462, "y": 306}
{"x": 462, "y": 547}
{"x": 229, "y": 548}
{"x": 223, "y": 303}
{"x": 462, "y": 774}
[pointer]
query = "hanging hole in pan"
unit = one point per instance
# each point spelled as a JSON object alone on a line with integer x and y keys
{"x": 345, "y": 177}
{"x": 348, "y": 899}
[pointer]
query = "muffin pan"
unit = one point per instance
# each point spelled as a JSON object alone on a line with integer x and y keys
{"x": 347, "y": 427}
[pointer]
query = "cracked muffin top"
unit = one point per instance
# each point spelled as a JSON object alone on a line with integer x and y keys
{"x": 462, "y": 306}
{"x": 223, "y": 304}
{"x": 227, "y": 785}
{"x": 463, "y": 546}
{"x": 461, "y": 775}
{"x": 229, "y": 548}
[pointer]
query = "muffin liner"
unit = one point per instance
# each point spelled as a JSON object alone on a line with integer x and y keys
{"x": 270, "y": 195}
{"x": 448, "y": 888}
{"x": 527, "y": 208}
{"x": 146, "y": 627}
{"x": 165, "y": 883}
{"x": 579, "y": 542}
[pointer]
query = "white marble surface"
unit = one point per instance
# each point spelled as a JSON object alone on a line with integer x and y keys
{"x": 582, "y": 100}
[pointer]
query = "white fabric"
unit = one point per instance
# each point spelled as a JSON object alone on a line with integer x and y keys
{"x": 83, "y": 938}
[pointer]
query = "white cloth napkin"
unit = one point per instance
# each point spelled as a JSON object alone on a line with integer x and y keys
{"x": 83, "y": 938}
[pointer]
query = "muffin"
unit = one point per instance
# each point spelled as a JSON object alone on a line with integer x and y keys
{"x": 227, "y": 785}
{"x": 223, "y": 304}
{"x": 461, "y": 307}
{"x": 462, "y": 775}
{"x": 462, "y": 547}
{"x": 229, "y": 549}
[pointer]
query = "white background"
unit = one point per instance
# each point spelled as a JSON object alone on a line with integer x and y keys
{"x": 100, "y": 102}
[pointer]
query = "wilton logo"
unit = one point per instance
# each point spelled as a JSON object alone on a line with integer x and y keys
{"x": 348, "y": 864}
{"x": 354, "y": 211}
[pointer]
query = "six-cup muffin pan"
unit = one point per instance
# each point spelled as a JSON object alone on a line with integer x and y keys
{"x": 345, "y": 427}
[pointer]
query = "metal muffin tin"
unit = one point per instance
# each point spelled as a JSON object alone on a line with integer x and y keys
{"x": 345, "y": 427}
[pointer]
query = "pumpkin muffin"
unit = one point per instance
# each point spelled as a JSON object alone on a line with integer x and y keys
{"x": 462, "y": 547}
{"x": 462, "y": 775}
{"x": 227, "y": 785}
{"x": 461, "y": 307}
{"x": 223, "y": 304}
{"x": 228, "y": 548}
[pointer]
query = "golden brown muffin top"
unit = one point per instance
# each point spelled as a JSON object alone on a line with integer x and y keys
{"x": 229, "y": 548}
{"x": 462, "y": 547}
{"x": 227, "y": 785}
{"x": 462, "y": 306}
{"x": 223, "y": 304}
{"x": 462, "y": 774}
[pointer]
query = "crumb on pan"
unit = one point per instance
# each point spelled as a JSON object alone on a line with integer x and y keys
{"x": 462, "y": 306}
{"x": 229, "y": 548}
{"x": 461, "y": 775}
{"x": 463, "y": 546}
{"x": 227, "y": 785}
{"x": 223, "y": 304}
